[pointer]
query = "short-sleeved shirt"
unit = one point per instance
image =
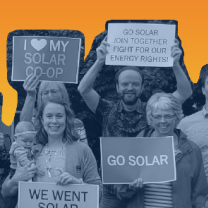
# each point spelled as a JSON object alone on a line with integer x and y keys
{"x": 19, "y": 153}
{"x": 118, "y": 122}
{"x": 195, "y": 127}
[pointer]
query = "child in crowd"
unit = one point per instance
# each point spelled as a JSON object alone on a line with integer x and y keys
{"x": 21, "y": 148}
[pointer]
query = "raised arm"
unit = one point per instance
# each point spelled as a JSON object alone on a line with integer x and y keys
{"x": 184, "y": 90}
{"x": 85, "y": 87}
{"x": 29, "y": 85}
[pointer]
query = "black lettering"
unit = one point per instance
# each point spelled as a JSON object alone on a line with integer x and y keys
{"x": 142, "y": 58}
{"x": 73, "y": 206}
{"x": 40, "y": 205}
{"x": 77, "y": 196}
{"x": 57, "y": 195}
{"x": 44, "y": 194}
{"x": 52, "y": 205}
{"x": 165, "y": 41}
{"x": 67, "y": 195}
{"x": 84, "y": 192}
{"x": 34, "y": 193}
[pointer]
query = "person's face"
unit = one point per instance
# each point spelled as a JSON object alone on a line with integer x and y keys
{"x": 205, "y": 88}
{"x": 163, "y": 121}
{"x": 26, "y": 140}
{"x": 129, "y": 86}
{"x": 51, "y": 90}
{"x": 54, "y": 119}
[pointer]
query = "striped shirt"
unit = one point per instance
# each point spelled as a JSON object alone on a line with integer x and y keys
{"x": 79, "y": 126}
{"x": 158, "y": 195}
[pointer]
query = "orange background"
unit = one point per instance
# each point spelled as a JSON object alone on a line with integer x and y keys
{"x": 90, "y": 17}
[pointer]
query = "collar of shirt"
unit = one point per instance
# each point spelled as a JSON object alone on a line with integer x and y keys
{"x": 204, "y": 112}
{"x": 139, "y": 108}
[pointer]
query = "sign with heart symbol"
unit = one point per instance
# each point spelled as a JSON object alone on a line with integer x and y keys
{"x": 49, "y": 58}
{"x": 38, "y": 44}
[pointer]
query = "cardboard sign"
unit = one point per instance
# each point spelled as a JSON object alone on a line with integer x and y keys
{"x": 124, "y": 159}
{"x": 139, "y": 44}
{"x": 48, "y": 195}
{"x": 50, "y": 58}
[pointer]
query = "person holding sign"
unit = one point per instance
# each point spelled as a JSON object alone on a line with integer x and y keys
{"x": 46, "y": 90}
{"x": 163, "y": 113}
{"x": 127, "y": 117}
{"x": 63, "y": 159}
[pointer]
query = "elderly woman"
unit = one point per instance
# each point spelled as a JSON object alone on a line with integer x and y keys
{"x": 58, "y": 154}
{"x": 46, "y": 91}
{"x": 190, "y": 189}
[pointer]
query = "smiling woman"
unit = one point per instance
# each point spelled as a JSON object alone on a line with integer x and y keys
{"x": 58, "y": 154}
{"x": 62, "y": 158}
{"x": 163, "y": 115}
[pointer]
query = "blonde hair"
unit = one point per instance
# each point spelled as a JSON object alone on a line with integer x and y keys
{"x": 165, "y": 101}
{"x": 24, "y": 126}
{"x": 45, "y": 84}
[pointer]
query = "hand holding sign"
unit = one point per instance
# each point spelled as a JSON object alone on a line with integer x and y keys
{"x": 124, "y": 158}
{"x": 102, "y": 50}
{"x": 138, "y": 183}
{"x": 66, "y": 178}
{"x": 176, "y": 52}
{"x": 30, "y": 84}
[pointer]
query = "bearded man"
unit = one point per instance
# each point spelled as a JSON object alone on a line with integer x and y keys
{"x": 126, "y": 117}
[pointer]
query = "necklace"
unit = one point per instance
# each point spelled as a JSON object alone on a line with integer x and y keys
{"x": 56, "y": 152}
{"x": 49, "y": 153}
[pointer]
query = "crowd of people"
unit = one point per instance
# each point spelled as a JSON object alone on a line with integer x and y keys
{"x": 50, "y": 144}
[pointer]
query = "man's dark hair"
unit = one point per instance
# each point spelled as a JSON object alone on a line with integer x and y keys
{"x": 134, "y": 68}
{"x": 203, "y": 75}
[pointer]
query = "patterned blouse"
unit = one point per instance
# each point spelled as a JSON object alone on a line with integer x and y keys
{"x": 118, "y": 122}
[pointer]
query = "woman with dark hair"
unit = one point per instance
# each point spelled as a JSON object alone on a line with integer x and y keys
{"x": 58, "y": 154}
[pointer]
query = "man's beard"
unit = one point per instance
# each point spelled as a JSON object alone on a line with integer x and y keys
{"x": 129, "y": 101}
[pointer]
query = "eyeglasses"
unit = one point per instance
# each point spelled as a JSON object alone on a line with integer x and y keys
{"x": 52, "y": 91}
{"x": 166, "y": 117}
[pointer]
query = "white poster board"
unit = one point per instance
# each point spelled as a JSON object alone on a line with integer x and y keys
{"x": 140, "y": 44}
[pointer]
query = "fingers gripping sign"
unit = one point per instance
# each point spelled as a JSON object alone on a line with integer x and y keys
{"x": 66, "y": 178}
{"x": 137, "y": 183}
{"x": 102, "y": 50}
{"x": 176, "y": 52}
{"x": 31, "y": 83}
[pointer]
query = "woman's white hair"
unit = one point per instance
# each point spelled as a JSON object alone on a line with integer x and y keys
{"x": 164, "y": 101}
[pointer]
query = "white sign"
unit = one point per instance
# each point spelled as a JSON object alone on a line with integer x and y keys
{"x": 49, "y": 195}
{"x": 139, "y": 44}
